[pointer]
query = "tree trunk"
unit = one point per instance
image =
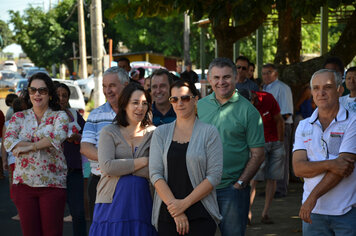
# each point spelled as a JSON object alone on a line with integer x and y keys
{"x": 289, "y": 41}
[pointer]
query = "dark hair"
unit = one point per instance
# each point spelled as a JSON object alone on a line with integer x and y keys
{"x": 162, "y": 71}
{"x": 124, "y": 59}
{"x": 351, "y": 69}
{"x": 62, "y": 85}
{"x": 182, "y": 83}
{"x": 121, "y": 117}
{"x": 19, "y": 104}
{"x": 142, "y": 72}
{"x": 10, "y": 99}
{"x": 269, "y": 65}
{"x": 252, "y": 64}
{"x": 242, "y": 58}
{"x": 336, "y": 61}
{"x": 221, "y": 62}
{"x": 53, "y": 100}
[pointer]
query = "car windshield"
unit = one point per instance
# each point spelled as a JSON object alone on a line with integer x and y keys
{"x": 22, "y": 84}
{"x": 73, "y": 93}
{"x": 9, "y": 75}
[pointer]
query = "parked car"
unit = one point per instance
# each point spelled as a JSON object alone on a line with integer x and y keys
{"x": 76, "y": 99}
{"x": 149, "y": 67}
{"x": 26, "y": 67}
{"x": 21, "y": 85}
{"x": 10, "y": 75}
{"x": 34, "y": 70}
{"x": 87, "y": 86}
{"x": 9, "y": 65}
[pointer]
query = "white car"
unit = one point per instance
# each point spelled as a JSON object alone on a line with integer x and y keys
{"x": 76, "y": 99}
{"x": 10, "y": 65}
{"x": 87, "y": 86}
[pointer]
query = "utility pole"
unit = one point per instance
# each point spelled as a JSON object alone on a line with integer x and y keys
{"x": 97, "y": 42}
{"x": 83, "y": 73}
{"x": 186, "y": 38}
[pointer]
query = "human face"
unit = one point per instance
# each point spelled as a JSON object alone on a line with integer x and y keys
{"x": 242, "y": 67}
{"x": 136, "y": 108}
{"x": 269, "y": 75}
{"x": 184, "y": 109}
{"x": 350, "y": 81}
{"x": 147, "y": 84}
{"x": 38, "y": 100}
{"x": 124, "y": 65}
{"x": 324, "y": 91}
{"x": 63, "y": 97}
{"x": 160, "y": 89}
{"x": 223, "y": 82}
{"x": 112, "y": 88}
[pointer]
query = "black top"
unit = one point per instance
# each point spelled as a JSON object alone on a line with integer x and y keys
{"x": 179, "y": 182}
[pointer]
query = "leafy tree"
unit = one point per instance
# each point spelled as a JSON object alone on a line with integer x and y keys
{"x": 5, "y": 35}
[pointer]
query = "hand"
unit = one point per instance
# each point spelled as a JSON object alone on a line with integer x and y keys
{"x": 306, "y": 209}
{"x": 237, "y": 186}
{"x": 342, "y": 166}
{"x": 177, "y": 207}
{"x": 18, "y": 150}
{"x": 144, "y": 161}
{"x": 182, "y": 224}
{"x": 75, "y": 137}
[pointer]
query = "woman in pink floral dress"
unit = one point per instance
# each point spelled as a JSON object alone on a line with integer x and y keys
{"x": 35, "y": 137}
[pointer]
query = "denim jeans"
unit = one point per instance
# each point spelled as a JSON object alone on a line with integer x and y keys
{"x": 75, "y": 200}
{"x": 234, "y": 205}
{"x": 331, "y": 225}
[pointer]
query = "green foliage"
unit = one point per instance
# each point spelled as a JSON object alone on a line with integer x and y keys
{"x": 46, "y": 37}
{"x": 6, "y": 36}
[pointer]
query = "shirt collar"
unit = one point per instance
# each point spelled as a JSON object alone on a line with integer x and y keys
{"x": 108, "y": 108}
{"x": 271, "y": 84}
{"x": 234, "y": 98}
{"x": 342, "y": 115}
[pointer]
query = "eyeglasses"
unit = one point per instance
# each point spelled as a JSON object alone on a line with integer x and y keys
{"x": 325, "y": 149}
{"x": 185, "y": 98}
{"x": 42, "y": 90}
{"x": 241, "y": 67}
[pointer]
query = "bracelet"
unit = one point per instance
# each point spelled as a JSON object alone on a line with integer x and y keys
{"x": 34, "y": 147}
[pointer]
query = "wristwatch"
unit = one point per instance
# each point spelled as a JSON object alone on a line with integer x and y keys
{"x": 241, "y": 183}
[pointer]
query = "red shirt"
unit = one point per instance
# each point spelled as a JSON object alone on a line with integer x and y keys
{"x": 268, "y": 107}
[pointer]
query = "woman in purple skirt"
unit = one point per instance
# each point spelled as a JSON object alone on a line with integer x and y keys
{"x": 123, "y": 202}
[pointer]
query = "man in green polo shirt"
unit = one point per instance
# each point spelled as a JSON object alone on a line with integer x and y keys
{"x": 241, "y": 131}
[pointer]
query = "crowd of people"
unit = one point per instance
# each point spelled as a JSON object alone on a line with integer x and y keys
{"x": 164, "y": 161}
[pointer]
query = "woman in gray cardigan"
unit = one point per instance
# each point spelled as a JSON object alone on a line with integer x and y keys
{"x": 123, "y": 202}
{"x": 185, "y": 166}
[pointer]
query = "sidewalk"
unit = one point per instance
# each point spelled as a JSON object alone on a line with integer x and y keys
{"x": 283, "y": 211}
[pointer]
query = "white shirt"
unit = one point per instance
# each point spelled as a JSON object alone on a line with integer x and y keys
{"x": 348, "y": 103}
{"x": 320, "y": 145}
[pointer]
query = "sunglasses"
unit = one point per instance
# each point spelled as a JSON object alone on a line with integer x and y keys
{"x": 42, "y": 90}
{"x": 185, "y": 98}
{"x": 241, "y": 67}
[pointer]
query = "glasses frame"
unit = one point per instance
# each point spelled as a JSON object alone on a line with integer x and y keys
{"x": 241, "y": 67}
{"x": 184, "y": 98}
{"x": 41, "y": 90}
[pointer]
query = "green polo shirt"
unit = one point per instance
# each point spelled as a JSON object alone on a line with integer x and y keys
{"x": 240, "y": 127}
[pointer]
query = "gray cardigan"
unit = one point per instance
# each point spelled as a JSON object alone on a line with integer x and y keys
{"x": 116, "y": 159}
{"x": 204, "y": 161}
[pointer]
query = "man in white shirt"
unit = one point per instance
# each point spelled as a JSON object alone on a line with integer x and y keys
{"x": 324, "y": 154}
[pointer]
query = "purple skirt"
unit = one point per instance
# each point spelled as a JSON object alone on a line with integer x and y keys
{"x": 130, "y": 212}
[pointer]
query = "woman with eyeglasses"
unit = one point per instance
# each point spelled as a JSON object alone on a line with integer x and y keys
{"x": 185, "y": 166}
{"x": 35, "y": 138}
{"x": 123, "y": 201}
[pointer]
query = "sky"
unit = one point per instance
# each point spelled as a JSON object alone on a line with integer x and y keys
{"x": 19, "y": 5}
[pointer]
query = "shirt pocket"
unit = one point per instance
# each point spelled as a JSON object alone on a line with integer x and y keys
{"x": 334, "y": 144}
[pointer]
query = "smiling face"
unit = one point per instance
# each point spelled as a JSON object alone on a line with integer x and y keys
{"x": 184, "y": 109}
{"x": 63, "y": 97}
{"x": 112, "y": 88}
{"x": 324, "y": 90}
{"x": 222, "y": 82}
{"x": 350, "y": 81}
{"x": 137, "y": 107}
{"x": 39, "y": 101}
{"x": 160, "y": 89}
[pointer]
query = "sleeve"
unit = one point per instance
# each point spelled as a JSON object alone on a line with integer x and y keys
{"x": 287, "y": 98}
{"x": 155, "y": 164}
{"x": 299, "y": 140}
{"x": 60, "y": 130}
{"x": 254, "y": 130}
{"x": 11, "y": 138}
{"x": 109, "y": 165}
{"x": 214, "y": 151}
{"x": 348, "y": 141}
{"x": 90, "y": 130}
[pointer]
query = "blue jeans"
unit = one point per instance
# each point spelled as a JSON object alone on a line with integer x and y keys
{"x": 234, "y": 205}
{"x": 75, "y": 200}
{"x": 331, "y": 225}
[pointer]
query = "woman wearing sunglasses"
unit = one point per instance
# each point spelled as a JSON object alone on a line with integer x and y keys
{"x": 35, "y": 137}
{"x": 185, "y": 166}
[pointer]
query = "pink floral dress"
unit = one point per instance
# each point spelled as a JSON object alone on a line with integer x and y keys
{"x": 46, "y": 167}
